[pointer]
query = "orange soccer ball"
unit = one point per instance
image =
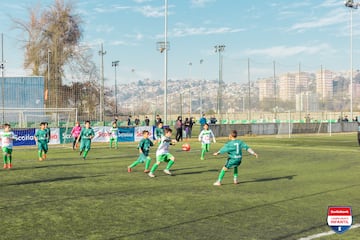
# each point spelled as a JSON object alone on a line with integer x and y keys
{"x": 185, "y": 147}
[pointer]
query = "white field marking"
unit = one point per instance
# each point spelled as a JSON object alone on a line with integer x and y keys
{"x": 323, "y": 234}
{"x": 309, "y": 148}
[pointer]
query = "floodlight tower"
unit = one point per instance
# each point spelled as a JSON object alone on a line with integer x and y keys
{"x": 351, "y": 5}
{"x": 219, "y": 49}
{"x": 102, "y": 53}
{"x": 115, "y": 64}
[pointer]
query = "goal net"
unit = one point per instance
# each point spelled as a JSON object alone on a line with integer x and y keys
{"x": 31, "y": 117}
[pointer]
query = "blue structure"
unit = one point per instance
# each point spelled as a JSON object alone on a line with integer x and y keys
{"x": 20, "y": 93}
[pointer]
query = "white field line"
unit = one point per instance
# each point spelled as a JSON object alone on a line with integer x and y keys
{"x": 323, "y": 234}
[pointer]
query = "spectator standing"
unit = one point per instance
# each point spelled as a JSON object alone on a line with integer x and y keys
{"x": 147, "y": 121}
{"x": 179, "y": 127}
{"x": 202, "y": 122}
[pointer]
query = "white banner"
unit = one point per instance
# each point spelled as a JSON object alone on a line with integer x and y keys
{"x": 139, "y": 130}
{"x": 102, "y": 134}
{"x": 54, "y": 136}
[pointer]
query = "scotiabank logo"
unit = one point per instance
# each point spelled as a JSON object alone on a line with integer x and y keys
{"x": 339, "y": 218}
{"x": 26, "y": 137}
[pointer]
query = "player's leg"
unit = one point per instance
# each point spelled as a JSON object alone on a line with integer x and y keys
{"x": 222, "y": 173}
{"x": 4, "y": 158}
{"x": 236, "y": 175}
{"x": 45, "y": 150}
{"x": 40, "y": 150}
{"x": 147, "y": 164}
{"x": 171, "y": 160}
{"x": 87, "y": 149}
{"x": 9, "y": 157}
{"x": 203, "y": 150}
{"x": 159, "y": 159}
{"x": 136, "y": 162}
{"x": 110, "y": 142}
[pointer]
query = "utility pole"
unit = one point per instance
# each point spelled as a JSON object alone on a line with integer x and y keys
{"x": 102, "y": 53}
{"x": 115, "y": 64}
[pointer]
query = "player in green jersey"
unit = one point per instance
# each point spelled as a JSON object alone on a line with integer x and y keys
{"x": 114, "y": 132}
{"x": 234, "y": 150}
{"x": 48, "y": 132}
{"x": 159, "y": 132}
{"x": 7, "y": 138}
{"x": 41, "y": 138}
{"x": 87, "y": 133}
{"x": 162, "y": 153}
{"x": 205, "y": 137}
{"x": 144, "y": 148}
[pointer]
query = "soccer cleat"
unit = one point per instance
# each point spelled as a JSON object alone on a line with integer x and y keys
{"x": 146, "y": 171}
{"x": 217, "y": 183}
{"x": 40, "y": 159}
{"x": 201, "y": 158}
{"x": 167, "y": 171}
{"x": 129, "y": 170}
{"x": 5, "y": 166}
{"x": 9, "y": 165}
{"x": 44, "y": 156}
{"x": 236, "y": 181}
{"x": 151, "y": 175}
{"x": 80, "y": 153}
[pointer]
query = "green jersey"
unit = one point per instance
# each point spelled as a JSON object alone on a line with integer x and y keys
{"x": 158, "y": 133}
{"x": 234, "y": 149}
{"x": 42, "y": 135}
{"x": 145, "y": 145}
{"x": 48, "y": 134}
{"x": 87, "y": 133}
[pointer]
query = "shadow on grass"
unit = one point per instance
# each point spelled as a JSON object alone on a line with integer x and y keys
{"x": 51, "y": 180}
{"x": 196, "y": 172}
{"x": 289, "y": 177}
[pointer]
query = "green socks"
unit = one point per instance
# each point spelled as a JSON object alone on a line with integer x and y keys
{"x": 235, "y": 172}
{"x": 147, "y": 163}
{"x": 221, "y": 175}
{"x": 154, "y": 167}
{"x": 170, "y": 163}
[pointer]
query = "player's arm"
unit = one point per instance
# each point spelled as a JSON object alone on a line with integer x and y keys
{"x": 213, "y": 137}
{"x": 252, "y": 152}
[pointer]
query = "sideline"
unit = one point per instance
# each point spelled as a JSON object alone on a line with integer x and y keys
{"x": 326, "y": 233}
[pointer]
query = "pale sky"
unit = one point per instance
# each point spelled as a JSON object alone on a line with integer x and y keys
{"x": 310, "y": 32}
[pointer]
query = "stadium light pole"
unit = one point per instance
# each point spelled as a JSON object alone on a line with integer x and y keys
{"x": 48, "y": 79}
{"x": 219, "y": 49}
{"x": 190, "y": 100}
{"x": 115, "y": 64}
{"x": 2, "y": 68}
{"x": 201, "y": 88}
{"x": 351, "y": 5}
{"x": 102, "y": 53}
{"x": 163, "y": 47}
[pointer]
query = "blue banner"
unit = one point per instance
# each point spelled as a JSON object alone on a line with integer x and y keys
{"x": 25, "y": 137}
{"x": 126, "y": 135}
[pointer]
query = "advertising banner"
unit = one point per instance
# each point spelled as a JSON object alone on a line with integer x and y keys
{"x": 126, "y": 135}
{"x": 139, "y": 130}
{"x": 54, "y": 136}
{"x": 102, "y": 134}
{"x": 65, "y": 135}
{"x": 25, "y": 137}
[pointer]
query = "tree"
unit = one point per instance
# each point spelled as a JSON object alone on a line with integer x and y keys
{"x": 53, "y": 39}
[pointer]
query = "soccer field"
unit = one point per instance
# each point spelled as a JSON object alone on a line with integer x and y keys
{"x": 284, "y": 194}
